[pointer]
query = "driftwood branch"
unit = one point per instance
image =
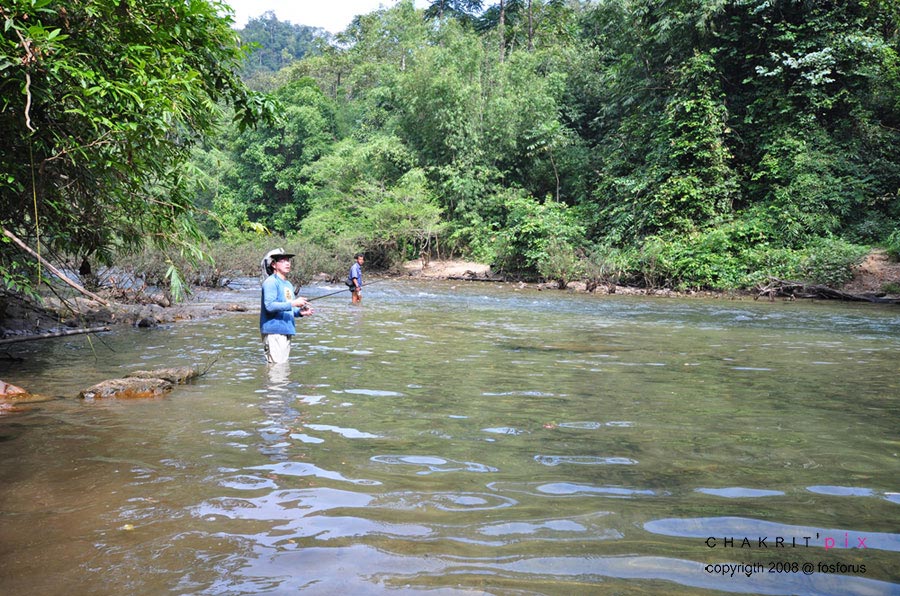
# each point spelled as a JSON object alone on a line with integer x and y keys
{"x": 53, "y": 269}
{"x": 796, "y": 289}
{"x": 10, "y": 340}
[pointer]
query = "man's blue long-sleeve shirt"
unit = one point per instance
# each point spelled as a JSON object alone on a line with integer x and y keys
{"x": 276, "y": 315}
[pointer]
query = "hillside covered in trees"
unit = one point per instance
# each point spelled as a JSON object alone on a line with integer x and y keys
{"x": 685, "y": 143}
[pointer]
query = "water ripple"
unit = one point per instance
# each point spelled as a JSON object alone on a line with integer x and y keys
{"x": 280, "y": 505}
{"x": 590, "y": 425}
{"x": 584, "y": 460}
{"x": 291, "y": 468}
{"x": 444, "y": 501}
{"x": 370, "y": 392}
{"x": 581, "y": 425}
{"x": 341, "y": 527}
{"x": 841, "y": 491}
{"x": 304, "y": 438}
{"x": 520, "y": 393}
{"x": 432, "y": 464}
{"x": 584, "y": 527}
{"x": 347, "y": 433}
{"x": 571, "y": 489}
{"x": 247, "y": 482}
{"x": 504, "y": 430}
{"x": 737, "y": 492}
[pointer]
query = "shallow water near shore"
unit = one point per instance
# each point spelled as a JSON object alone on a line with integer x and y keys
{"x": 459, "y": 438}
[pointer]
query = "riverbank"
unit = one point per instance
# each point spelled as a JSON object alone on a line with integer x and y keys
{"x": 876, "y": 276}
{"x": 21, "y": 319}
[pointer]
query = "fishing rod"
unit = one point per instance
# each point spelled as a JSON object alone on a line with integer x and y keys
{"x": 297, "y": 290}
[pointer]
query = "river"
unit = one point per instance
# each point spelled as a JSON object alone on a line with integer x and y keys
{"x": 467, "y": 438}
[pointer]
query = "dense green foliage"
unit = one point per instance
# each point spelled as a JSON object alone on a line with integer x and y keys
{"x": 701, "y": 143}
{"x": 682, "y": 143}
{"x": 100, "y": 101}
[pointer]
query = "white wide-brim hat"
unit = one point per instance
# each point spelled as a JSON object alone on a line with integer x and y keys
{"x": 270, "y": 258}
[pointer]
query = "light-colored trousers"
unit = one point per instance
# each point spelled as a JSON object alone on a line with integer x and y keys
{"x": 277, "y": 347}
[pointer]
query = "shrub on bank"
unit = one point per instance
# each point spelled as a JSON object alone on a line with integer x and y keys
{"x": 559, "y": 263}
{"x": 892, "y": 245}
{"x": 717, "y": 259}
{"x": 830, "y": 261}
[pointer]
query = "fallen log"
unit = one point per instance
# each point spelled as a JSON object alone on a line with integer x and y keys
{"x": 796, "y": 289}
{"x": 53, "y": 269}
{"x": 18, "y": 338}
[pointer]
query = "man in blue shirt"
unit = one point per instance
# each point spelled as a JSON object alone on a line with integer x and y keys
{"x": 279, "y": 306}
{"x": 354, "y": 280}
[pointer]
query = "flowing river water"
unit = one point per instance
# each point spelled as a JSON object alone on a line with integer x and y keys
{"x": 467, "y": 439}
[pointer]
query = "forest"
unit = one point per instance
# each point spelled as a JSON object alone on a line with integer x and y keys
{"x": 687, "y": 144}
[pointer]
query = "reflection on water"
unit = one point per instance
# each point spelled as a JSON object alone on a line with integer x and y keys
{"x": 467, "y": 439}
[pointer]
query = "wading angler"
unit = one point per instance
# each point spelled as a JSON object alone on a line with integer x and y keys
{"x": 279, "y": 306}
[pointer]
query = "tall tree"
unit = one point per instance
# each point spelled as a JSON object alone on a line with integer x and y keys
{"x": 270, "y": 181}
{"x": 465, "y": 11}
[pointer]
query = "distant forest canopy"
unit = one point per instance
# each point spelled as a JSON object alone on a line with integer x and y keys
{"x": 682, "y": 143}
{"x": 276, "y": 44}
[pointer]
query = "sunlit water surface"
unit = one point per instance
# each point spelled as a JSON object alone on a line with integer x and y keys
{"x": 470, "y": 438}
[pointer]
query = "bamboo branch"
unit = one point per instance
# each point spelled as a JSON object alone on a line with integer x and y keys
{"x": 11, "y": 340}
{"x": 53, "y": 269}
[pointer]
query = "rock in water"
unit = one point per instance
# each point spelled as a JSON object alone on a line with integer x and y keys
{"x": 129, "y": 388}
{"x": 176, "y": 375}
{"x": 8, "y": 390}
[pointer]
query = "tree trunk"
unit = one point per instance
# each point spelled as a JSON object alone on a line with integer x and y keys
{"x": 502, "y": 28}
{"x": 530, "y": 28}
